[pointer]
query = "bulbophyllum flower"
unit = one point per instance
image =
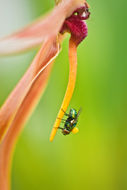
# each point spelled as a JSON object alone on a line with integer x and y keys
{"x": 48, "y": 33}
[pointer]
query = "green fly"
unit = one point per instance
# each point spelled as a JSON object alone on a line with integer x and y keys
{"x": 71, "y": 122}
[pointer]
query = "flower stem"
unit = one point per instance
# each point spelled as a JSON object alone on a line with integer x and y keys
{"x": 70, "y": 87}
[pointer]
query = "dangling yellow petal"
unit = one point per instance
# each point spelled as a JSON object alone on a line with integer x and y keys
{"x": 70, "y": 87}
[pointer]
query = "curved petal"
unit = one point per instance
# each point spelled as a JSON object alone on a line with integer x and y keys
{"x": 70, "y": 87}
{"x": 21, "y": 103}
{"x": 8, "y": 143}
{"x": 46, "y": 55}
{"x": 34, "y": 34}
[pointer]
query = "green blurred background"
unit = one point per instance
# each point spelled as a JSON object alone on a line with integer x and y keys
{"x": 96, "y": 157}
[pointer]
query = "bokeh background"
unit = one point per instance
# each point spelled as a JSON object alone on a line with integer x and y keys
{"x": 96, "y": 157}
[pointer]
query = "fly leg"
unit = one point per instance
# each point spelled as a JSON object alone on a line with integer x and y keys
{"x": 59, "y": 128}
{"x": 65, "y": 112}
{"x": 62, "y": 120}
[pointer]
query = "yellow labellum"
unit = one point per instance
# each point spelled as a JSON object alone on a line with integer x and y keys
{"x": 70, "y": 87}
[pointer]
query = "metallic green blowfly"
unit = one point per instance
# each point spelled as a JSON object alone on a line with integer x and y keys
{"x": 70, "y": 122}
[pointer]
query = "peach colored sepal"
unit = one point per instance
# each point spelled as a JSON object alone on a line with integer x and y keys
{"x": 34, "y": 34}
{"x": 70, "y": 87}
{"x": 8, "y": 144}
{"x": 23, "y": 105}
{"x": 46, "y": 55}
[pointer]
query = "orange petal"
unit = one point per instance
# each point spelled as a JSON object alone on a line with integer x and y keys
{"x": 47, "y": 53}
{"x": 43, "y": 28}
{"x": 70, "y": 87}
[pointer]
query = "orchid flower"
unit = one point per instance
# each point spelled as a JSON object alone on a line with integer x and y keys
{"x": 47, "y": 33}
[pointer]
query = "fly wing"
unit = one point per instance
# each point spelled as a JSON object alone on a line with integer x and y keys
{"x": 79, "y": 112}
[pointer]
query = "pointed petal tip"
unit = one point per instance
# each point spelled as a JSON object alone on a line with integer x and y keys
{"x": 51, "y": 139}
